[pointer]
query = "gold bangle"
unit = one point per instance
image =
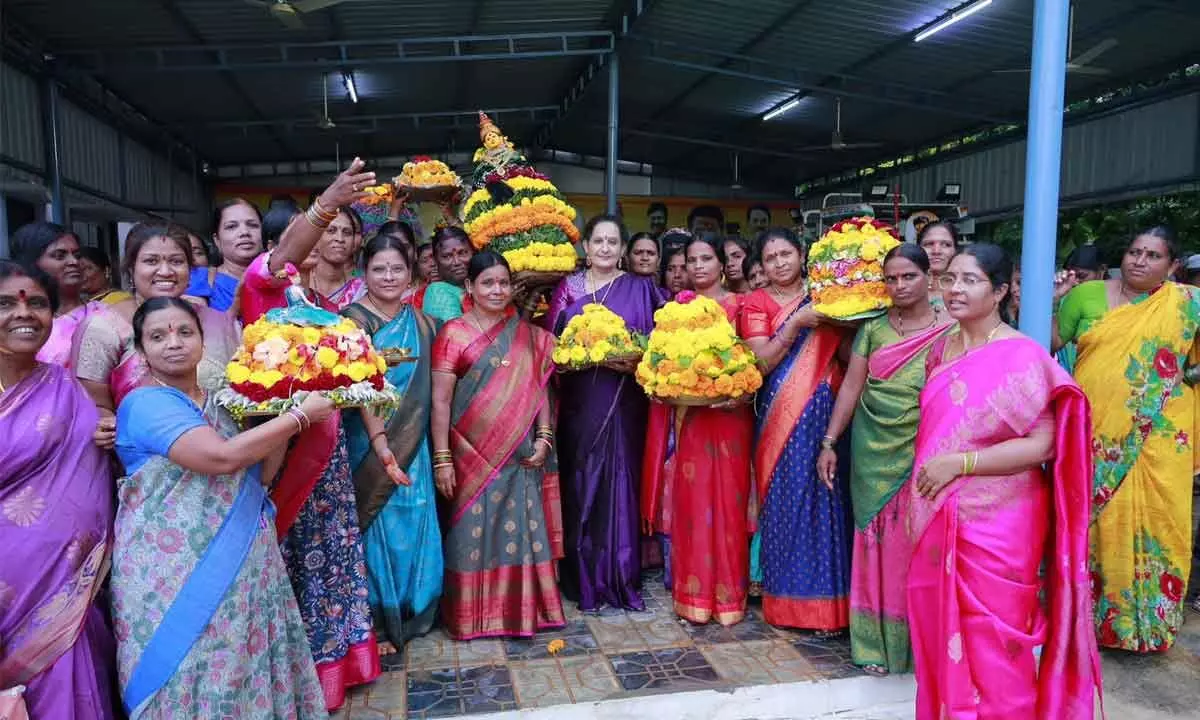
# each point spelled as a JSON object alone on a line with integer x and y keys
{"x": 315, "y": 220}
{"x": 974, "y": 462}
{"x": 321, "y": 211}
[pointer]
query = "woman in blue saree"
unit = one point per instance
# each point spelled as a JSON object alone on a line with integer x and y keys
{"x": 602, "y": 430}
{"x": 804, "y": 524}
{"x": 205, "y": 619}
{"x": 393, "y": 476}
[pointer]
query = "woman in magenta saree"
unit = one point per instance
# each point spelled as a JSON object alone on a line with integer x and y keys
{"x": 1002, "y": 486}
{"x": 493, "y": 463}
{"x": 56, "y": 514}
{"x": 602, "y": 431}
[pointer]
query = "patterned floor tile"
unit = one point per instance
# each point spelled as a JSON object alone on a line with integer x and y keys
{"x": 671, "y": 670}
{"x": 388, "y": 694}
{"x": 829, "y": 656}
{"x": 393, "y": 662}
{"x": 480, "y": 652}
{"x": 589, "y": 678}
{"x": 576, "y": 635}
{"x": 735, "y": 665}
{"x": 782, "y": 661}
{"x": 539, "y": 683}
{"x": 365, "y": 713}
{"x": 447, "y": 692}
{"x": 660, "y": 630}
{"x": 434, "y": 650}
{"x": 616, "y": 634}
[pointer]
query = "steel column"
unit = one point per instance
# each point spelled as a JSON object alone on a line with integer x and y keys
{"x": 58, "y": 211}
{"x": 614, "y": 104}
{"x": 1043, "y": 161}
{"x": 5, "y": 250}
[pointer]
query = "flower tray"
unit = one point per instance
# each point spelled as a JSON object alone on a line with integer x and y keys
{"x": 693, "y": 401}
{"x": 574, "y": 367}
{"x": 428, "y": 193}
{"x": 358, "y": 395}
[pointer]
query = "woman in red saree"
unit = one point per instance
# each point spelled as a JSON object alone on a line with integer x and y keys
{"x": 1002, "y": 487}
{"x": 709, "y": 494}
{"x": 493, "y": 461}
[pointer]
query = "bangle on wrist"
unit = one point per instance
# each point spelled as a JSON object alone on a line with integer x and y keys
{"x": 380, "y": 434}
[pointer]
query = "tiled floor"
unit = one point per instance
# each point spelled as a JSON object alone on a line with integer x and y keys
{"x": 610, "y": 655}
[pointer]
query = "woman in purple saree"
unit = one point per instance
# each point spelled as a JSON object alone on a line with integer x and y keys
{"x": 56, "y": 514}
{"x": 602, "y": 431}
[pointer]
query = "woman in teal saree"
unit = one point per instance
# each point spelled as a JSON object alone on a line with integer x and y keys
{"x": 390, "y": 458}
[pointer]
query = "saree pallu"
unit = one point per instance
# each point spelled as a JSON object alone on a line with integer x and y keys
{"x": 56, "y": 512}
{"x": 401, "y": 538}
{"x": 57, "y": 349}
{"x": 881, "y": 441}
{"x": 805, "y": 531}
{"x": 206, "y": 623}
{"x": 975, "y": 612}
{"x": 1130, "y": 365}
{"x": 505, "y": 522}
{"x": 102, "y": 350}
{"x": 658, "y": 477}
{"x": 601, "y": 438}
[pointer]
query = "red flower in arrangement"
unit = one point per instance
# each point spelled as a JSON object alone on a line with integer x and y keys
{"x": 685, "y": 296}
{"x": 421, "y": 158}
{"x": 1172, "y": 587}
{"x": 1108, "y": 636}
{"x": 1166, "y": 364}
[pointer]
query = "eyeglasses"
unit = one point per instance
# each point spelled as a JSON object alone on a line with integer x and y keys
{"x": 947, "y": 282}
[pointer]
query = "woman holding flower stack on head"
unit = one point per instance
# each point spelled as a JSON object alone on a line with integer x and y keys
{"x": 1137, "y": 358}
{"x": 804, "y": 530}
{"x": 706, "y": 494}
{"x": 493, "y": 461}
{"x": 881, "y": 391}
{"x": 602, "y": 426}
{"x": 998, "y": 603}
{"x": 317, "y": 519}
{"x": 157, "y": 262}
{"x": 390, "y": 455}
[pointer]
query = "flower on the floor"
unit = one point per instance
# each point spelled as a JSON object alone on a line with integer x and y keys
{"x": 554, "y": 647}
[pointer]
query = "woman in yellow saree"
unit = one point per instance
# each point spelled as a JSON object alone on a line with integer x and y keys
{"x": 1135, "y": 336}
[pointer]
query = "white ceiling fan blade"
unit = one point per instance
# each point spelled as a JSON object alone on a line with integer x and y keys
{"x": 1012, "y": 71}
{"x": 1089, "y": 56}
{"x": 306, "y": 6}
{"x": 1087, "y": 70}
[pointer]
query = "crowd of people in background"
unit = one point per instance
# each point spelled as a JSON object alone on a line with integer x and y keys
{"x": 930, "y": 480}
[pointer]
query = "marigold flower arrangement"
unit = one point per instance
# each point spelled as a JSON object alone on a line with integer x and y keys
{"x": 425, "y": 172}
{"x": 845, "y": 269}
{"x": 374, "y": 208}
{"x": 515, "y": 208}
{"x": 279, "y": 363}
{"x": 694, "y": 354}
{"x": 595, "y": 335}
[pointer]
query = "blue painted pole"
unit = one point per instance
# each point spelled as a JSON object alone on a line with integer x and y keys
{"x": 1043, "y": 161}
{"x": 610, "y": 164}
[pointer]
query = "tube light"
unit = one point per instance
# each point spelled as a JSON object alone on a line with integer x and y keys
{"x": 785, "y": 107}
{"x": 954, "y": 17}
{"x": 348, "y": 78}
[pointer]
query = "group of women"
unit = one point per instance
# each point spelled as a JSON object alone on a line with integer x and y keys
{"x": 922, "y": 478}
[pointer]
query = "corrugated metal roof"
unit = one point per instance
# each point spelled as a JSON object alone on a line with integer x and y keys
{"x": 722, "y": 65}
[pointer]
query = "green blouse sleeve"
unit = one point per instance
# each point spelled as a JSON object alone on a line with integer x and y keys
{"x": 1080, "y": 308}
{"x": 865, "y": 338}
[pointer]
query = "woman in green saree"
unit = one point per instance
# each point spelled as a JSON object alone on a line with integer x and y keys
{"x": 389, "y": 455}
{"x": 881, "y": 390}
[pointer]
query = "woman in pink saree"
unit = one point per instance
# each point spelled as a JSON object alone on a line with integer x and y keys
{"x": 1002, "y": 486}
{"x": 56, "y": 515}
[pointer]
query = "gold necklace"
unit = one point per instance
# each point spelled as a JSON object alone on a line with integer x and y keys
{"x": 471, "y": 317}
{"x": 986, "y": 340}
{"x": 783, "y": 299}
{"x": 587, "y": 280}
{"x": 898, "y": 325}
{"x": 380, "y": 310}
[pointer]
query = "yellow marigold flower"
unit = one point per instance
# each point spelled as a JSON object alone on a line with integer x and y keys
{"x": 327, "y": 357}
{"x": 359, "y": 371}
{"x": 311, "y": 335}
{"x": 578, "y": 354}
{"x": 237, "y": 373}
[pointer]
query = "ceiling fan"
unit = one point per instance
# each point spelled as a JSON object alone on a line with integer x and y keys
{"x": 737, "y": 180}
{"x": 288, "y": 12}
{"x": 1082, "y": 63}
{"x": 325, "y": 122}
{"x": 838, "y": 142}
